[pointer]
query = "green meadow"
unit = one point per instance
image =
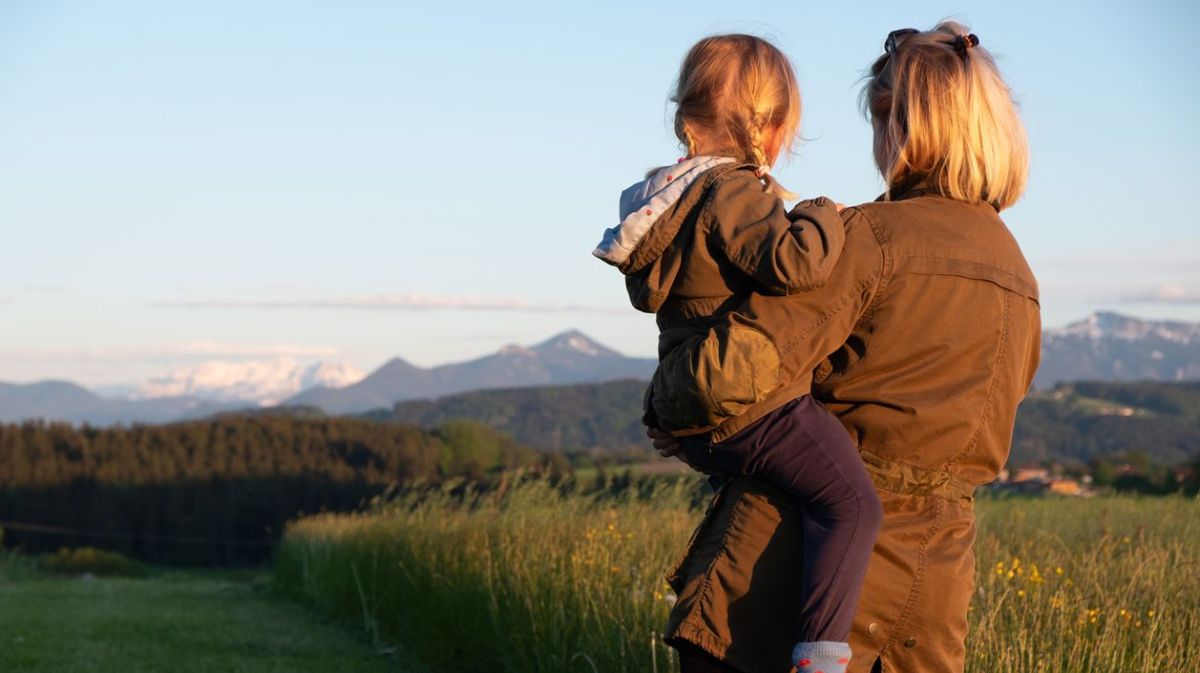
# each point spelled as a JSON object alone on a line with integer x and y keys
{"x": 168, "y": 622}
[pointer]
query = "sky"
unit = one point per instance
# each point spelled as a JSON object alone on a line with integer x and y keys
{"x": 354, "y": 181}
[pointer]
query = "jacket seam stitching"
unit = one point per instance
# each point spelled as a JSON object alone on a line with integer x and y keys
{"x": 952, "y": 258}
{"x": 844, "y": 301}
{"x": 998, "y": 284}
{"x": 992, "y": 385}
{"x": 885, "y": 270}
{"x": 880, "y": 281}
{"x": 1028, "y": 287}
{"x": 919, "y": 576}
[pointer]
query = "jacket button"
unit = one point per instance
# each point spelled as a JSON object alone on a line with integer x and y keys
{"x": 910, "y": 643}
{"x": 873, "y": 628}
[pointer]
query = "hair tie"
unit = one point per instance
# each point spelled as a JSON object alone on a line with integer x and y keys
{"x": 763, "y": 172}
{"x": 964, "y": 42}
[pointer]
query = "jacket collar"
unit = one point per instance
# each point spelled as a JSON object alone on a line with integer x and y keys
{"x": 916, "y": 187}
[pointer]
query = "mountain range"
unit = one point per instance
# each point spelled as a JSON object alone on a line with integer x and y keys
{"x": 570, "y": 357}
{"x": 1112, "y": 347}
{"x": 1104, "y": 346}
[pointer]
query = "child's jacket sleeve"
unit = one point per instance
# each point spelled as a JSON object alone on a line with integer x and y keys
{"x": 763, "y": 353}
{"x": 786, "y": 255}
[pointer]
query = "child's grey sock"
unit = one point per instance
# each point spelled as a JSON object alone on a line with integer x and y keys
{"x": 823, "y": 656}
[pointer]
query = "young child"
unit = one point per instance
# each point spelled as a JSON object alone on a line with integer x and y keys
{"x": 695, "y": 238}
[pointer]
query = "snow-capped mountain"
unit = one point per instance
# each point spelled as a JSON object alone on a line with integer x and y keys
{"x": 1112, "y": 347}
{"x": 570, "y": 357}
{"x": 1104, "y": 325}
{"x": 265, "y": 382}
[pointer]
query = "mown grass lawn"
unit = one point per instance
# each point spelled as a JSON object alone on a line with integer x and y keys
{"x": 173, "y": 623}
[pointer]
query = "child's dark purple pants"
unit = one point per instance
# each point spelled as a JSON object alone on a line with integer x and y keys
{"x": 802, "y": 449}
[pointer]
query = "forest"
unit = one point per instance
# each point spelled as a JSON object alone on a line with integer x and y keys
{"x": 220, "y": 490}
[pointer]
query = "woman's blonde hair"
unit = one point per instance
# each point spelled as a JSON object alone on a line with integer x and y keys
{"x": 739, "y": 93}
{"x": 943, "y": 116}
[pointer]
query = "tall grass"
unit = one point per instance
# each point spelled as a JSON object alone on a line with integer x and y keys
{"x": 1107, "y": 584}
{"x": 536, "y": 581}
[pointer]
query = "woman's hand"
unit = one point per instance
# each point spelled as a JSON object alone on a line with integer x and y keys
{"x": 668, "y": 445}
{"x": 665, "y": 443}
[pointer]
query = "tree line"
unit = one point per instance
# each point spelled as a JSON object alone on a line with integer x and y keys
{"x": 220, "y": 490}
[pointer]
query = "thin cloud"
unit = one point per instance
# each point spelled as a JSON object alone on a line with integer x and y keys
{"x": 394, "y": 302}
{"x": 1177, "y": 255}
{"x": 1169, "y": 293}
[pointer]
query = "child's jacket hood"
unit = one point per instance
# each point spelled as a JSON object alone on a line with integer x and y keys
{"x": 644, "y": 202}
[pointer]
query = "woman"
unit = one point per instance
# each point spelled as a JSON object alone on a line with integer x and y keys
{"x": 923, "y": 341}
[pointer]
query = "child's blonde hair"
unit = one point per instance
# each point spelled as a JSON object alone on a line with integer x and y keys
{"x": 944, "y": 116}
{"x": 739, "y": 93}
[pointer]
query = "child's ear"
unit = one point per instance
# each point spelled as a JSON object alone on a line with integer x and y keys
{"x": 689, "y": 139}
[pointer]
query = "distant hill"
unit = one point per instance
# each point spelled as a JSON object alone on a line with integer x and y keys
{"x": 1080, "y": 421}
{"x": 66, "y": 401}
{"x": 606, "y": 416}
{"x": 1113, "y": 347}
{"x": 568, "y": 358}
{"x": 1072, "y": 422}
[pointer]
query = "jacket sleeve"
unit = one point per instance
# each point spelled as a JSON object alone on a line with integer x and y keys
{"x": 767, "y": 343}
{"x": 784, "y": 252}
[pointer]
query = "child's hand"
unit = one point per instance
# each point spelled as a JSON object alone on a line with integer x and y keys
{"x": 840, "y": 206}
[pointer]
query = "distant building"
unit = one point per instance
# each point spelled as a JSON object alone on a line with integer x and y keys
{"x": 1065, "y": 487}
{"x": 1038, "y": 474}
{"x": 1035, "y": 480}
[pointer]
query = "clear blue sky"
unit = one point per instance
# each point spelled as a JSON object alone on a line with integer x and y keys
{"x": 183, "y": 181}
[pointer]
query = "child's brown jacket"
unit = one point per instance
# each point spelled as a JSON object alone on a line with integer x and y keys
{"x": 723, "y": 239}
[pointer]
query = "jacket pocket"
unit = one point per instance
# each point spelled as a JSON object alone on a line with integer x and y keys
{"x": 712, "y": 377}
